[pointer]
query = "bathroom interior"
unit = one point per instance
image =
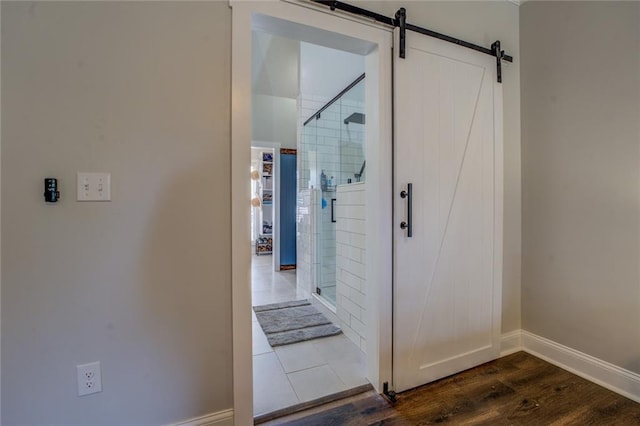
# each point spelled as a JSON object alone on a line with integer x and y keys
{"x": 320, "y": 91}
{"x": 332, "y": 156}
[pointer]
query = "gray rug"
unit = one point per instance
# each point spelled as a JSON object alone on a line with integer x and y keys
{"x": 291, "y": 322}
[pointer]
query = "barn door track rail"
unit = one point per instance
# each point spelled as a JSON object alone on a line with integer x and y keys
{"x": 400, "y": 21}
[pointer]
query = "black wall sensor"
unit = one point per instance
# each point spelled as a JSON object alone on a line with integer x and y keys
{"x": 51, "y": 193}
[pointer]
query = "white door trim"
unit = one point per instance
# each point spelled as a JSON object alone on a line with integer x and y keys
{"x": 379, "y": 172}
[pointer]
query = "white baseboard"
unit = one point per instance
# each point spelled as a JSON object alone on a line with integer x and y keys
{"x": 605, "y": 374}
{"x": 511, "y": 343}
{"x": 221, "y": 418}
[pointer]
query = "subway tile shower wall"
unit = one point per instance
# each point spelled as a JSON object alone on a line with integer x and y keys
{"x": 307, "y": 262}
{"x": 328, "y": 143}
{"x": 350, "y": 262}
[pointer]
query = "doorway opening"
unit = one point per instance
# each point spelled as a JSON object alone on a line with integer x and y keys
{"x": 307, "y": 173}
{"x": 307, "y": 23}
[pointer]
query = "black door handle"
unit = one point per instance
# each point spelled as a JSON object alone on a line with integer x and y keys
{"x": 407, "y": 225}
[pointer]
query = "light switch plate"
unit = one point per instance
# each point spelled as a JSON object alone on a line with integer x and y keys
{"x": 94, "y": 186}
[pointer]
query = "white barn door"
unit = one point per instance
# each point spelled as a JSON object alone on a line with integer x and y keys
{"x": 447, "y": 274}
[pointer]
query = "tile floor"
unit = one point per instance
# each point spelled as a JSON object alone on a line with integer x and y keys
{"x": 291, "y": 374}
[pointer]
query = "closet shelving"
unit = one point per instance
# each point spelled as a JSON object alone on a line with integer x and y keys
{"x": 264, "y": 243}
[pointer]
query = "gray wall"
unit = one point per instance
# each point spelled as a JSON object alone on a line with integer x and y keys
{"x": 276, "y": 85}
{"x": 325, "y": 72}
{"x": 142, "y": 284}
{"x": 581, "y": 176}
{"x": 482, "y": 23}
{"x": 274, "y": 119}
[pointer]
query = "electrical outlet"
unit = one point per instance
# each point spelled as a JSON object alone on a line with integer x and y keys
{"x": 89, "y": 378}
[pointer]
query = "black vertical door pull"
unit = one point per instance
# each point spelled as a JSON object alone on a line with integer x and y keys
{"x": 407, "y": 225}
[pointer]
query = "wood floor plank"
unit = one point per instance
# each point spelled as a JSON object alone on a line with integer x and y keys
{"x": 519, "y": 389}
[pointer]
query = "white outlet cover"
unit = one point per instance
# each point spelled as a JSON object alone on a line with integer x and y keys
{"x": 93, "y": 186}
{"x": 89, "y": 378}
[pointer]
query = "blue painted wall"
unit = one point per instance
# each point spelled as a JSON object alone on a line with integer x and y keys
{"x": 288, "y": 166}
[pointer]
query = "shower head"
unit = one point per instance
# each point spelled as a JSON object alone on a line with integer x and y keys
{"x": 356, "y": 117}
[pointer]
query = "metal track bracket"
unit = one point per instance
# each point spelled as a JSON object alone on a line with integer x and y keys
{"x": 401, "y": 22}
{"x": 391, "y": 395}
{"x": 499, "y": 54}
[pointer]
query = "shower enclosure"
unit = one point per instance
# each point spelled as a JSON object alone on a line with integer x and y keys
{"x": 332, "y": 153}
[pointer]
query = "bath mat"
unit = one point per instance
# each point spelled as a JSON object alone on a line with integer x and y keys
{"x": 292, "y": 322}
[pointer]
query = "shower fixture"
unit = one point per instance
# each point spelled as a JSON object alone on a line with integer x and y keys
{"x": 356, "y": 117}
{"x": 359, "y": 175}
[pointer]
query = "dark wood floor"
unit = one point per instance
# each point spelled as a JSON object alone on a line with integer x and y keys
{"x": 518, "y": 389}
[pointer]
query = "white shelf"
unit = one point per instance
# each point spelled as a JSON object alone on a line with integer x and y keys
{"x": 266, "y": 191}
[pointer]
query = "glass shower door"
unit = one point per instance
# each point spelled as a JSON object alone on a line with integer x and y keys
{"x": 328, "y": 169}
{"x": 332, "y": 154}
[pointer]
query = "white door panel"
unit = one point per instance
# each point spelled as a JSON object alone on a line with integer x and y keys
{"x": 447, "y": 287}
